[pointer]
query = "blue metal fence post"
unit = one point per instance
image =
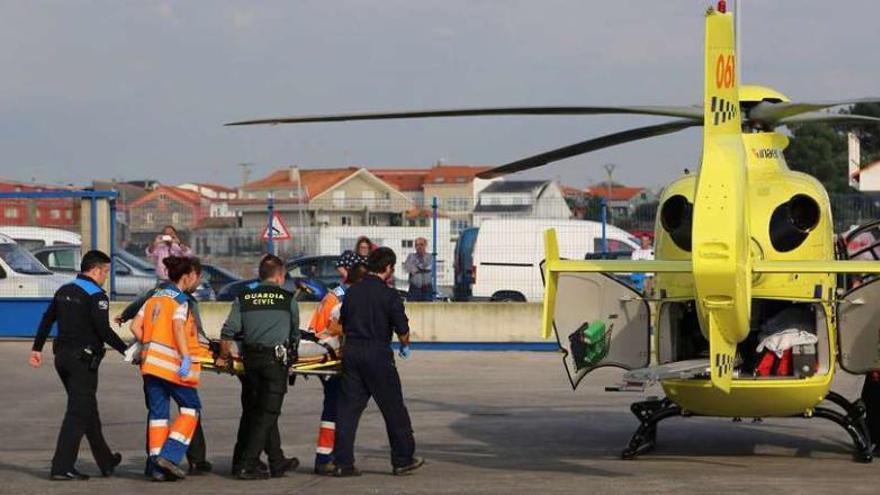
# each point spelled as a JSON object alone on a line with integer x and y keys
{"x": 604, "y": 223}
{"x": 94, "y": 214}
{"x": 112, "y": 249}
{"x": 434, "y": 249}
{"x": 269, "y": 232}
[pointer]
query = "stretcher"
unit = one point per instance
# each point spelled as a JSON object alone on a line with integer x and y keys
{"x": 314, "y": 359}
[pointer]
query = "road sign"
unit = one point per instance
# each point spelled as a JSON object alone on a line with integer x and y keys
{"x": 279, "y": 230}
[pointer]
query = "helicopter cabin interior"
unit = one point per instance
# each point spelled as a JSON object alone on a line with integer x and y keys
{"x": 794, "y": 337}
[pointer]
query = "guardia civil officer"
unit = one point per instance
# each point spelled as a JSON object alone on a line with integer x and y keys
{"x": 81, "y": 309}
{"x": 370, "y": 313}
{"x": 267, "y": 318}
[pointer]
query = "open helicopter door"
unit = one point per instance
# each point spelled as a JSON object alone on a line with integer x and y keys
{"x": 858, "y": 328}
{"x": 600, "y": 321}
{"x": 597, "y": 319}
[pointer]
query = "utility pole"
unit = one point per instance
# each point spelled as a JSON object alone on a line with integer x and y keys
{"x": 609, "y": 169}
{"x": 245, "y": 172}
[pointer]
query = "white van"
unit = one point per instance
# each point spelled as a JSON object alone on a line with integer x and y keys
{"x": 33, "y": 238}
{"x": 22, "y": 275}
{"x": 508, "y": 253}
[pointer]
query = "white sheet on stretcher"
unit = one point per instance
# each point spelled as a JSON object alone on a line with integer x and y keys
{"x": 309, "y": 349}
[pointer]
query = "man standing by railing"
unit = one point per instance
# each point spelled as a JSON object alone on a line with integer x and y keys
{"x": 418, "y": 266}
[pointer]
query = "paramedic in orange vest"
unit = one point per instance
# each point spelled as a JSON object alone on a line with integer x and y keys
{"x": 325, "y": 330}
{"x": 170, "y": 365}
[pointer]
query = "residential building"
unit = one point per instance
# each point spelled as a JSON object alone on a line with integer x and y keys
{"x": 44, "y": 212}
{"x": 165, "y": 205}
{"x": 578, "y": 201}
{"x": 217, "y": 195}
{"x": 323, "y": 197}
{"x": 868, "y": 177}
{"x": 622, "y": 201}
{"x": 456, "y": 188}
{"x": 521, "y": 199}
{"x": 409, "y": 181}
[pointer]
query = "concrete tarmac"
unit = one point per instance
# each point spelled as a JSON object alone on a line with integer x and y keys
{"x": 498, "y": 422}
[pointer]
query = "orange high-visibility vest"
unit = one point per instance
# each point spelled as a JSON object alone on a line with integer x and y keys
{"x": 322, "y": 324}
{"x": 160, "y": 356}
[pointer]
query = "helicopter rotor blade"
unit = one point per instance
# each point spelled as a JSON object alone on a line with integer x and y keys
{"x": 831, "y": 118}
{"x": 695, "y": 113}
{"x": 588, "y": 146}
{"x": 773, "y": 113}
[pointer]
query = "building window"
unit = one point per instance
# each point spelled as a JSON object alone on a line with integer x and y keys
{"x": 163, "y": 197}
{"x": 10, "y": 213}
{"x": 374, "y": 220}
{"x": 148, "y": 218}
{"x": 345, "y": 220}
{"x": 54, "y": 214}
{"x": 406, "y": 243}
{"x": 175, "y": 218}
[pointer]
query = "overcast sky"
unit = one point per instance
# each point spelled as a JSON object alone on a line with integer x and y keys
{"x": 139, "y": 89}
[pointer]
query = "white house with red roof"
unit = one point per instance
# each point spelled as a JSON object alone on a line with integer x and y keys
{"x": 868, "y": 177}
{"x": 622, "y": 200}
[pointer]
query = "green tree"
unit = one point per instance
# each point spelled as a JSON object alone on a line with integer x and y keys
{"x": 821, "y": 149}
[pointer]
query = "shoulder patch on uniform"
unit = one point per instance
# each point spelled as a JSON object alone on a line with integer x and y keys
{"x": 168, "y": 292}
{"x": 88, "y": 286}
{"x": 103, "y": 305}
{"x": 339, "y": 291}
{"x": 253, "y": 285}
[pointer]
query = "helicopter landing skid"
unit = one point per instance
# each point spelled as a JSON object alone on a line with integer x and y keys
{"x": 649, "y": 413}
{"x": 853, "y": 422}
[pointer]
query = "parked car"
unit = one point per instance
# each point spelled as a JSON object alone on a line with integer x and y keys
{"x": 504, "y": 271}
{"x": 22, "y": 275}
{"x": 133, "y": 275}
{"x": 218, "y": 277}
{"x": 319, "y": 271}
{"x": 32, "y": 238}
{"x": 204, "y": 292}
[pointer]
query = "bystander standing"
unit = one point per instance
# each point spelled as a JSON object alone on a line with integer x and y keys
{"x": 419, "y": 266}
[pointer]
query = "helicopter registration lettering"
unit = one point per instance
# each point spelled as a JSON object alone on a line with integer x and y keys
{"x": 724, "y": 71}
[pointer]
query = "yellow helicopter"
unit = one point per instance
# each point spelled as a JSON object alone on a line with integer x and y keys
{"x": 742, "y": 245}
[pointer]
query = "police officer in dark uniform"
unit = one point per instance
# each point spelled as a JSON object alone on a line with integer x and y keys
{"x": 370, "y": 313}
{"x": 81, "y": 309}
{"x": 267, "y": 317}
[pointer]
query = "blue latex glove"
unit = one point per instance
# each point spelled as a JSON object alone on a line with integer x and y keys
{"x": 185, "y": 365}
{"x": 405, "y": 352}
